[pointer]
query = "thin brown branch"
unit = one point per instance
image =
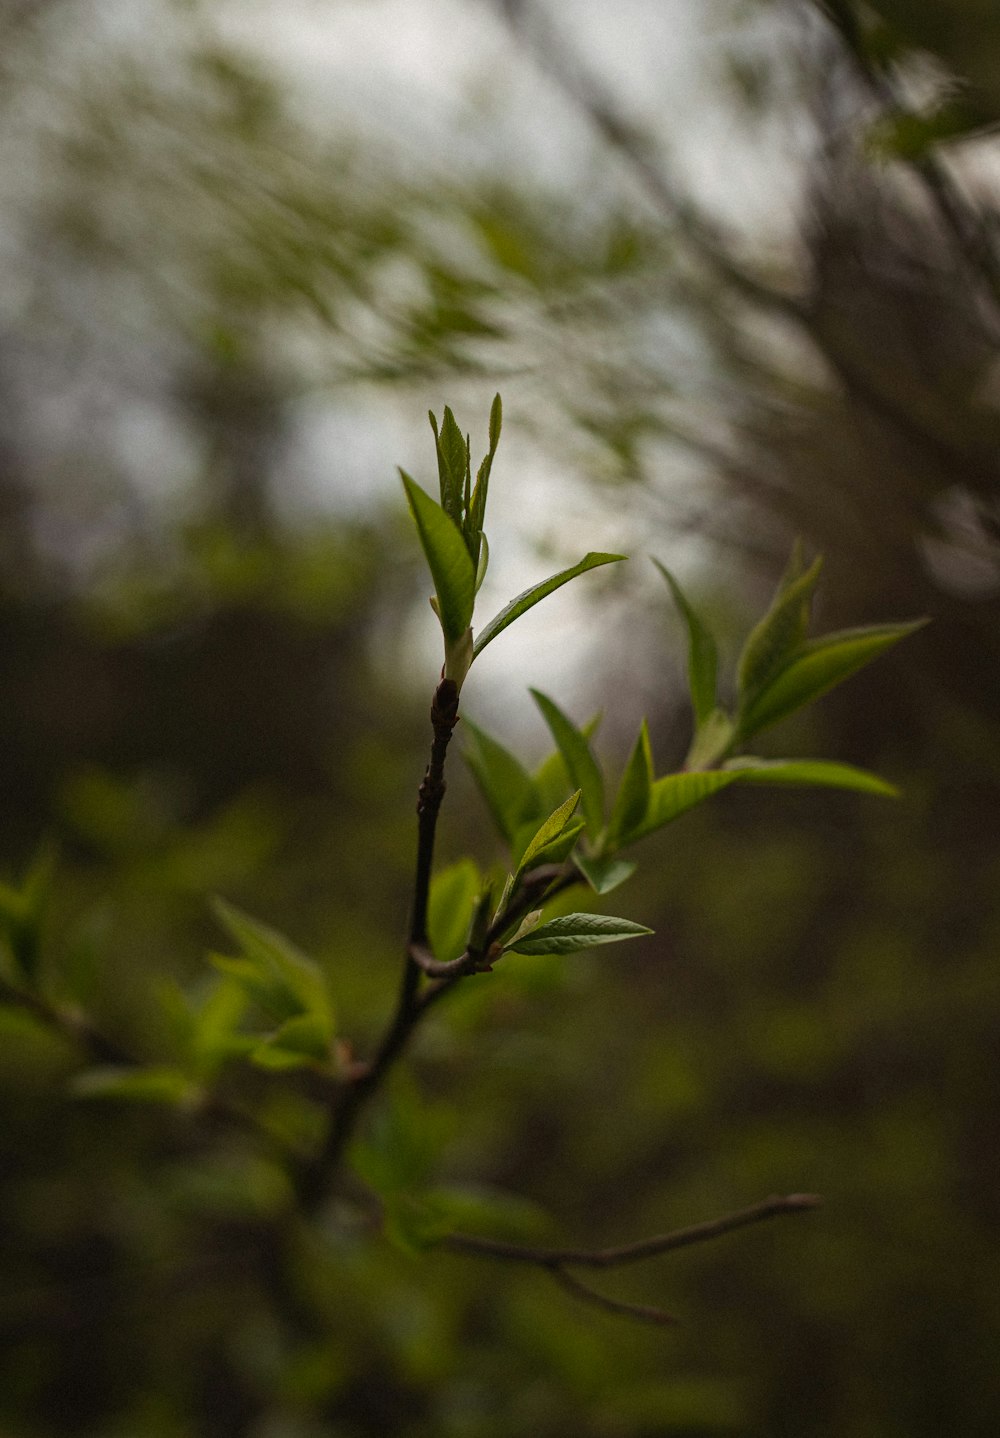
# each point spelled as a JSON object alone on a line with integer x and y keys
{"x": 643, "y": 1312}
{"x": 773, "y": 1207}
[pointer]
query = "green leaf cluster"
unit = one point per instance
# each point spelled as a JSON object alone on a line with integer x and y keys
{"x": 285, "y": 986}
{"x": 456, "y": 549}
{"x": 781, "y": 668}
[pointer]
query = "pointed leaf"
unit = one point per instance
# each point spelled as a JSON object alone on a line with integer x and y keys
{"x": 448, "y": 559}
{"x": 579, "y": 760}
{"x": 274, "y": 972}
{"x": 136, "y": 1085}
{"x": 299, "y": 1041}
{"x": 537, "y": 592}
{"x": 558, "y": 848}
{"x": 675, "y": 794}
{"x": 632, "y": 799}
{"x": 817, "y": 667}
{"x": 703, "y": 656}
{"x": 712, "y": 741}
{"x": 496, "y": 422}
{"x": 606, "y": 874}
{"x": 572, "y": 932}
{"x": 548, "y": 832}
{"x": 551, "y": 779}
{"x": 453, "y": 460}
{"x": 483, "y": 561}
{"x": 780, "y": 632}
{"x": 508, "y": 788}
{"x": 449, "y": 911}
{"x": 821, "y": 773}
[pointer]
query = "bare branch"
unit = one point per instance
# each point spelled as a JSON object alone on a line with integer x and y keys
{"x": 773, "y": 1207}
{"x": 643, "y": 1312}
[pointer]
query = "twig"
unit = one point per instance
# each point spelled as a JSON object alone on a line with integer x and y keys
{"x": 557, "y": 1261}
{"x": 773, "y": 1207}
{"x": 644, "y": 1312}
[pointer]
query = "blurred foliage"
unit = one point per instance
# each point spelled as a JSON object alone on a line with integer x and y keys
{"x": 203, "y": 692}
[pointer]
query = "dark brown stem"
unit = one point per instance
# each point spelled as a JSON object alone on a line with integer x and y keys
{"x": 313, "y": 1181}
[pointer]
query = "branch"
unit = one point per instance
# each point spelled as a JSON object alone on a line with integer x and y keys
{"x": 311, "y": 1183}
{"x": 536, "y": 887}
{"x": 557, "y": 1261}
{"x": 772, "y": 1207}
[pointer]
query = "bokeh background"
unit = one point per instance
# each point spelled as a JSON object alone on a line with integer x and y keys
{"x": 735, "y": 268}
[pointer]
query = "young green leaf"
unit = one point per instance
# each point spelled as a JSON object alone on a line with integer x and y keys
{"x": 276, "y": 974}
{"x": 136, "y": 1085}
{"x": 604, "y": 874}
{"x": 815, "y": 668}
{"x": 299, "y": 1042}
{"x": 712, "y": 741}
{"x": 579, "y": 760}
{"x": 551, "y": 778}
{"x": 675, "y": 794}
{"x": 703, "y": 656}
{"x": 453, "y": 461}
{"x": 207, "y": 1031}
{"x": 449, "y": 912}
{"x": 572, "y": 932}
{"x": 632, "y": 799}
{"x": 21, "y": 911}
{"x": 779, "y": 634}
{"x": 483, "y": 561}
{"x": 509, "y": 790}
{"x": 821, "y": 773}
{"x": 548, "y": 833}
{"x": 447, "y": 557}
{"x": 537, "y": 592}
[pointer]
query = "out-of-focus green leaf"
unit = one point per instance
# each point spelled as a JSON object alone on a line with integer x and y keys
{"x": 703, "y": 657}
{"x": 302, "y": 1040}
{"x": 579, "y": 760}
{"x": 821, "y": 773}
{"x": 815, "y": 668}
{"x": 276, "y": 974}
{"x": 712, "y": 741}
{"x": 401, "y": 1144}
{"x": 632, "y": 799}
{"x": 449, "y": 911}
{"x": 21, "y": 911}
{"x": 571, "y": 932}
{"x": 674, "y": 794}
{"x": 523, "y": 602}
{"x": 208, "y": 1031}
{"x": 772, "y": 641}
{"x": 551, "y": 778}
{"x": 604, "y": 874}
{"x": 509, "y": 790}
{"x": 447, "y": 557}
{"x": 136, "y": 1085}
